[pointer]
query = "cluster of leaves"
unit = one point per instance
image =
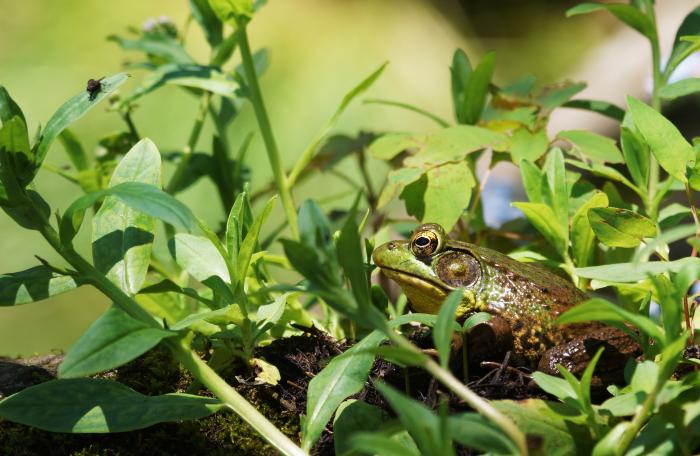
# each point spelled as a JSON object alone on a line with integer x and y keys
{"x": 602, "y": 212}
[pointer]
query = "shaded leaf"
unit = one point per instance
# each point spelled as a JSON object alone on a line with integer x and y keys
{"x": 112, "y": 340}
{"x": 33, "y": 285}
{"x": 626, "y": 13}
{"x": 122, "y": 237}
{"x": 593, "y": 146}
{"x": 528, "y": 145}
{"x": 343, "y": 376}
{"x": 667, "y": 144}
{"x": 99, "y": 406}
{"x": 582, "y": 235}
{"x": 680, "y": 88}
{"x": 617, "y": 227}
{"x": 475, "y": 90}
{"x": 545, "y": 221}
{"x": 601, "y": 107}
{"x": 444, "y": 327}
{"x": 165, "y": 47}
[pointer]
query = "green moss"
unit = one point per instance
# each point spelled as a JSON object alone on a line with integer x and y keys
{"x": 156, "y": 373}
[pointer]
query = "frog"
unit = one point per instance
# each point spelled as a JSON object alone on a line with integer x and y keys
{"x": 522, "y": 299}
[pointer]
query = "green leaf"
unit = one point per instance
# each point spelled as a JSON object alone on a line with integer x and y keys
{"x": 382, "y": 444}
{"x": 549, "y": 421}
{"x": 142, "y": 197}
{"x": 601, "y": 310}
{"x": 8, "y": 107}
{"x": 617, "y": 227}
{"x": 230, "y": 11}
{"x": 33, "y": 285}
{"x": 601, "y": 107}
{"x": 199, "y": 257}
{"x": 460, "y": 71}
{"x": 626, "y": 13}
{"x": 545, "y": 221}
{"x": 396, "y": 181}
{"x": 73, "y": 110}
{"x": 250, "y": 241}
{"x": 441, "y": 195}
{"x": 555, "y": 386}
{"x": 351, "y": 259}
{"x": 343, "y": 376}
{"x": 632, "y": 272}
{"x": 226, "y": 315}
{"x": 610, "y": 443}
{"x": 474, "y": 320}
{"x": 680, "y": 88}
{"x": 582, "y": 236}
{"x": 167, "y": 48}
{"x": 683, "y": 48}
{"x": 667, "y": 144}
{"x": 559, "y": 94}
{"x": 593, "y": 146}
{"x": 533, "y": 181}
{"x": 112, "y": 340}
{"x": 606, "y": 172}
{"x": 444, "y": 328}
{"x": 14, "y": 141}
{"x": 353, "y": 417}
{"x": 636, "y": 154}
{"x": 122, "y": 238}
{"x": 424, "y": 426}
{"x": 526, "y": 145}
{"x": 558, "y": 193}
{"x": 207, "y": 19}
{"x": 98, "y": 406}
{"x": 473, "y": 97}
{"x": 74, "y": 150}
{"x": 474, "y": 431}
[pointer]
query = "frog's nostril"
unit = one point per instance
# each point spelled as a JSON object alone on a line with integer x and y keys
{"x": 391, "y": 246}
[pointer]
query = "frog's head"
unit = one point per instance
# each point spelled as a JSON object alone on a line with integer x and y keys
{"x": 428, "y": 268}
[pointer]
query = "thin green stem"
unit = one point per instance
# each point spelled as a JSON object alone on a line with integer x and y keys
{"x": 694, "y": 212}
{"x": 178, "y": 346}
{"x": 639, "y": 419}
{"x": 655, "y": 103}
{"x": 191, "y": 144}
{"x": 233, "y": 399}
{"x": 273, "y": 154}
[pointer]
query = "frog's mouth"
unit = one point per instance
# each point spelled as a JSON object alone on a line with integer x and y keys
{"x": 425, "y": 296}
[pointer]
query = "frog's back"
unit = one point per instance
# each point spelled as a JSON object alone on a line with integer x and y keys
{"x": 528, "y": 297}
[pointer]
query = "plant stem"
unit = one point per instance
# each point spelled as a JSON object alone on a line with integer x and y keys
{"x": 182, "y": 352}
{"x": 191, "y": 144}
{"x": 694, "y": 212}
{"x": 266, "y": 130}
{"x": 639, "y": 418}
{"x": 472, "y": 399}
{"x": 233, "y": 399}
{"x": 655, "y": 103}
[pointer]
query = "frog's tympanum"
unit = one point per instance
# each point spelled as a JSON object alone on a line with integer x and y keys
{"x": 524, "y": 301}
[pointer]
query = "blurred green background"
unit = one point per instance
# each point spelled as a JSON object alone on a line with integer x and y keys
{"x": 318, "y": 50}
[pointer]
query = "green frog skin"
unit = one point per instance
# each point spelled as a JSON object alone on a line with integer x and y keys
{"x": 524, "y": 301}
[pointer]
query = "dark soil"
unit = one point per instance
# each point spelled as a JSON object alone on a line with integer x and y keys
{"x": 298, "y": 359}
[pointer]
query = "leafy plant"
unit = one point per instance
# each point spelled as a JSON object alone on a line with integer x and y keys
{"x": 598, "y": 210}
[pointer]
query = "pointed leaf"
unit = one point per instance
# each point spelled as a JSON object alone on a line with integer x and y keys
{"x": 122, "y": 238}
{"x": 626, "y": 13}
{"x": 250, "y": 241}
{"x": 112, "y": 340}
{"x": 199, "y": 257}
{"x": 667, "y": 144}
{"x": 476, "y": 89}
{"x": 444, "y": 327}
{"x": 582, "y": 235}
{"x": 344, "y": 376}
{"x": 593, "y": 146}
{"x": 73, "y": 110}
{"x": 99, "y": 406}
{"x": 617, "y": 227}
{"x": 33, "y": 285}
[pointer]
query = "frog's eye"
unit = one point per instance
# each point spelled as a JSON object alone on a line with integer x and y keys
{"x": 458, "y": 269}
{"x": 425, "y": 243}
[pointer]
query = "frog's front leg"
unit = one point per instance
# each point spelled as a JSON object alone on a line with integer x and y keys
{"x": 576, "y": 354}
{"x": 489, "y": 341}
